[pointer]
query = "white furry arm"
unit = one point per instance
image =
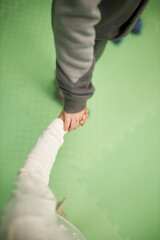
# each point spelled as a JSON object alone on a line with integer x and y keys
{"x": 39, "y": 162}
{"x": 31, "y": 214}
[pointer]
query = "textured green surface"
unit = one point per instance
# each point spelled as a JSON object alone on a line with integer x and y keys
{"x": 110, "y": 169}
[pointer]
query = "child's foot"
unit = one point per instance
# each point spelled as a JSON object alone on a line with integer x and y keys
{"x": 117, "y": 42}
{"x": 138, "y": 27}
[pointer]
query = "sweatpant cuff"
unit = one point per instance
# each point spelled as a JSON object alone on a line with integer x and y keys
{"x": 71, "y": 106}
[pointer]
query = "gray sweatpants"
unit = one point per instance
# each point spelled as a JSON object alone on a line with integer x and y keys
{"x": 99, "y": 48}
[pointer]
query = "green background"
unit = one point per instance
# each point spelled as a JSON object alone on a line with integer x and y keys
{"x": 110, "y": 169}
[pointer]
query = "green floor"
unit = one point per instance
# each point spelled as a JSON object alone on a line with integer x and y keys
{"x": 109, "y": 169}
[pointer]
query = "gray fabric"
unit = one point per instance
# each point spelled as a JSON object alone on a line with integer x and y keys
{"x": 81, "y": 30}
{"x": 77, "y": 93}
{"x": 118, "y": 17}
{"x": 99, "y": 48}
{"x": 74, "y": 34}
